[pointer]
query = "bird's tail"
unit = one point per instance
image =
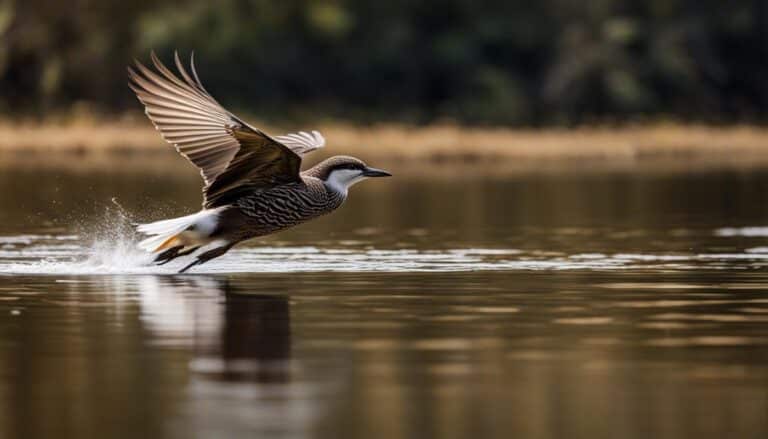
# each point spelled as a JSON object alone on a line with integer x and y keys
{"x": 185, "y": 231}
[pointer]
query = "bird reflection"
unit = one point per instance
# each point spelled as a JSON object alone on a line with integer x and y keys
{"x": 235, "y": 334}
{"x": 256, "y": 327}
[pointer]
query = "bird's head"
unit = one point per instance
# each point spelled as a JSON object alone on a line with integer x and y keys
{"x": 340, "y": 172}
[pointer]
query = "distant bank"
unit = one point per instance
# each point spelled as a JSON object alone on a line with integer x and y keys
{"x": 630, "y": 145}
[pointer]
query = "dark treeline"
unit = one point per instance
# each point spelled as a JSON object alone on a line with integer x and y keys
{"x": 474, "y": 61}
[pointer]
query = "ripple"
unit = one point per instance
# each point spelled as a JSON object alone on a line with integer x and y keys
{"x": 712, "y": 340}
{"x": 652, "y": 286}
{"x": 28, "y": 239}
{"x": 453, "y": 344}
{"x": 719, "y": 318}
{"x": 742, "y": 231}
{"x": 47, "y": 254}
{"x": 671, "y": 303}
{"x": 584, "y": 320}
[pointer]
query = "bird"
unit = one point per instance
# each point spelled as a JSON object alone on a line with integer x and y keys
{"x": 252, "y": 182}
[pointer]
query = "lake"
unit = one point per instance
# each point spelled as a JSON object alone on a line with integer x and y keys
{"x": 448, "y": 304}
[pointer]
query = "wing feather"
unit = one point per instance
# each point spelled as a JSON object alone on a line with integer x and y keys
{"x": 302, "y": 143}
{"x": 232, "y": 156}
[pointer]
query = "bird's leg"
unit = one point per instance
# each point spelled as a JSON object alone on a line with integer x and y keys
{"x": 190, "y": 265}
{"x": 207, "y": 256}
{"x": 177, "y": 254}
{"x": 173, "y": 253}
{"x": 167, "y": 255}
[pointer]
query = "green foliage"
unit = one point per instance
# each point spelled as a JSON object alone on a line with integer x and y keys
{"x": 480, "y": 62}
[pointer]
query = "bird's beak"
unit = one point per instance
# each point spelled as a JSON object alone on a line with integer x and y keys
{"x": 373, "y": 172}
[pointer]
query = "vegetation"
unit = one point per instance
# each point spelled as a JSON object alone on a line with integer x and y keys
{"x": 94, "y": 143}
{"x": 492, "y": 62}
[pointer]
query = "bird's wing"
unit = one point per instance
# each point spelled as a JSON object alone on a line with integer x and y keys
{"x": 302, "y": 143}
{"x": 232, "y": 156}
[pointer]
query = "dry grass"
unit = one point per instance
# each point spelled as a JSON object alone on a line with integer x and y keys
{"x": 83, "y": 136}
{"x": 629, "y": 145}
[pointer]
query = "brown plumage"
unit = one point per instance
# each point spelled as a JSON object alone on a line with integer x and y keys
{"x": 252, "y": 181}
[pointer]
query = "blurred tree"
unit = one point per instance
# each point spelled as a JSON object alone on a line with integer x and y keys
{"x": 475, "y": 61}
{"x": 58, "y": 53}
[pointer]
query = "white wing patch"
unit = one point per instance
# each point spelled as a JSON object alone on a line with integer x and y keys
{"x": 302, "y": 142}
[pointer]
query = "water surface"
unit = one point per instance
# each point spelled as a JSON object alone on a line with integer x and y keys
{"x": 536, "y": 305}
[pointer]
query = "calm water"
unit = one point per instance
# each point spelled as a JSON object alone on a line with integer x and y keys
{"x": 546, "y": 305}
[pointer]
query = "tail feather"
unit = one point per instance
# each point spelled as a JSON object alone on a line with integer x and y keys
{"x": 167, "y": 233}
{"x": 169, "y": 225}
{"x": 151, "y": 243}
{"x": 173, "y": 241}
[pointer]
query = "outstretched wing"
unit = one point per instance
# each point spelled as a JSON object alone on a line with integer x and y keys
{"x": 302, "y": 143}
{"x": 233, "y": 157}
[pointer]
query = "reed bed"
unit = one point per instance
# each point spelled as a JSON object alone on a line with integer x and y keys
{"x": 449, "y": 144}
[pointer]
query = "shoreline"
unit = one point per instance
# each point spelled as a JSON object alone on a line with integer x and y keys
{"x": 620, "y": 147}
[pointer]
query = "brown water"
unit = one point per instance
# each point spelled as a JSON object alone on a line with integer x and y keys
{"x": 550, "y": 305}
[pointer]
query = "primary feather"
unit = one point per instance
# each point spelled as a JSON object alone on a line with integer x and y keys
{"x": 232, "y": 156}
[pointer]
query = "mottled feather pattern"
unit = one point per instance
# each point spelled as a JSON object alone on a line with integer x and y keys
{"x": 287, "y": 205}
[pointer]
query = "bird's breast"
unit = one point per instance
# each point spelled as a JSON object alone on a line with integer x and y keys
{"x": 286, "y": 206}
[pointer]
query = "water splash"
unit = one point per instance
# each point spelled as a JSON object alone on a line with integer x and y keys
{"x": 115, "y": 255}
{"x": 108, "y": 248}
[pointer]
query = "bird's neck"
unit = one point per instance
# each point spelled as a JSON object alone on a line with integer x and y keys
{"x": 336, "y": 190}
{"x": 340, "y": 181}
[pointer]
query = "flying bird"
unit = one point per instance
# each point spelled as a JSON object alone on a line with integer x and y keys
{"x": 253, "y": 183}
